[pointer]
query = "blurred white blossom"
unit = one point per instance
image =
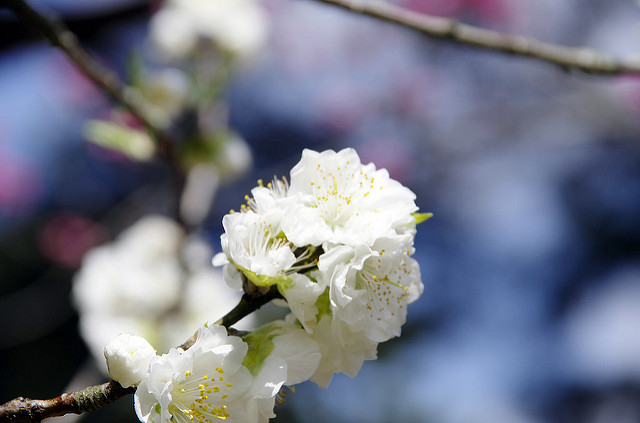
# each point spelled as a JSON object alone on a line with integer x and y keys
{"x": 137, "y": 284}
{"x": 238, "y": 27}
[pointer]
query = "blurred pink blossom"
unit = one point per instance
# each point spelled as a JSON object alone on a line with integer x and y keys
{"x": 66, "y": 237}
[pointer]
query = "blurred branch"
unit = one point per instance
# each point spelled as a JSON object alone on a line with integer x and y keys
{"x": 584, "y": 59}
{"x": 99, "y": 396}
{"x": 57, "y": 33}
{"x": 89, "y": 399}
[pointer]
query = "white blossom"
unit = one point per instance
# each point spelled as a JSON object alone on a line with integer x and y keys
{"x": 128, "y": 357}
{"x": 251, "y": 242}
{"x": 293, "y": 356}
{"x": 205, "y": 383}
{"x": 341, "y": 350}
{"x": 235, "y": 26}
{"x": 341, "y": 201}
{"x": 370, "y": 289}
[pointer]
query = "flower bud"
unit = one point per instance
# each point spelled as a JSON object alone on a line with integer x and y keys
{"x": 128, "y": 357}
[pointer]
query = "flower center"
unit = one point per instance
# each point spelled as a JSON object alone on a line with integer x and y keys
{"x": 336, "y": 194}
{"x": 201, "y": 399}
{"x": 385, "y": 292}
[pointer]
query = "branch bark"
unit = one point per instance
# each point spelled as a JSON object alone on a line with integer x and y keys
{"x": 89, "y": 399}
{"x": 580, "y": 58}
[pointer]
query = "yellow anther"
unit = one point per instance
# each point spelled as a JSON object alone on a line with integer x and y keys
{"x": 187, "y": 373}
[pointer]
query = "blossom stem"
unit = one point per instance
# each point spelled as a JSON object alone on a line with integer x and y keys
{"x": 250, "y": 302}
{"x": 580, "y": 58}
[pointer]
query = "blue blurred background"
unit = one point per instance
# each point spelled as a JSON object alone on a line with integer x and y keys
{"x": 531, "y": 265}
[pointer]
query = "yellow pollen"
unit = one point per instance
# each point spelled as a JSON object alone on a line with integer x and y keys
{"x": 229, "y": 385}
{"x": 187, "y": 373}
{"x": 224, "y": 396}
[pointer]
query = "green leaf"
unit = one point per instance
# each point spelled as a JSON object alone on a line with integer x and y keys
{"x": 324, "y": 304}
{"x": 421, "y": 217}
{"x": 135, "y": 144}
{"x": 260, "y": 346}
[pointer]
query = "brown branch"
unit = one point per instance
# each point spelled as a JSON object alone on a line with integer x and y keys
{"x": 89, "y": 399}
{"x": 253, "y": 298}
{"x": 57, "y": 33}
{"x": 584, "y": 59}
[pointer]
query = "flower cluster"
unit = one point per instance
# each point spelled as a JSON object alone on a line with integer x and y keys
{"x": 336, "y": 242}
{"x": 224, "y": 377}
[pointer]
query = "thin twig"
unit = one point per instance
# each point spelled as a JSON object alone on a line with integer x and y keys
{"x": 584, "y": 59}
{"x": 59, "y": 35}
{"x": 250, "y": 302}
